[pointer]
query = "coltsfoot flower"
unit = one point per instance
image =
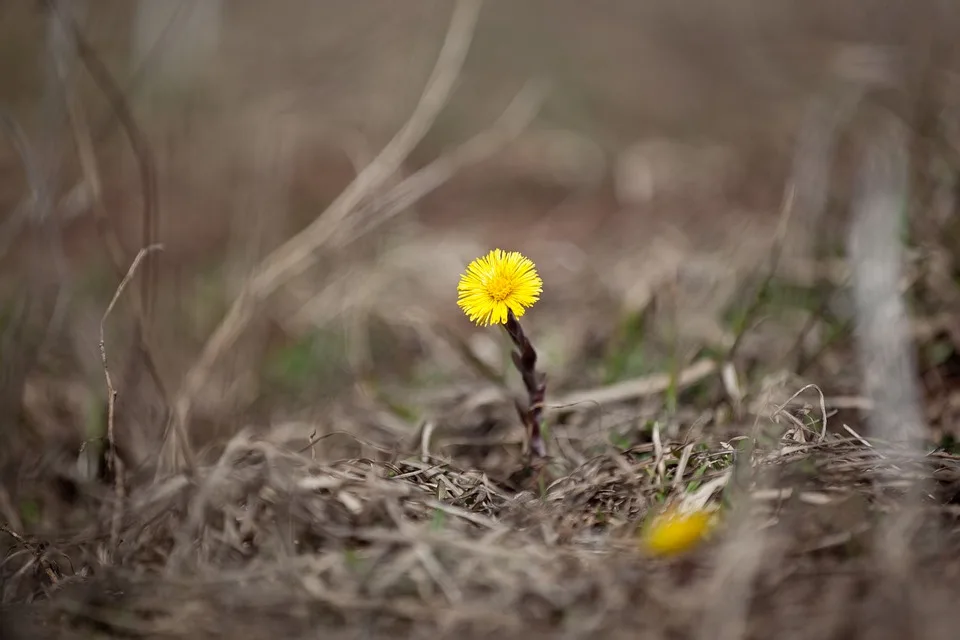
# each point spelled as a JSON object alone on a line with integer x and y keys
{"x": 671, "y": 532}
{"x": 496, "y": 283}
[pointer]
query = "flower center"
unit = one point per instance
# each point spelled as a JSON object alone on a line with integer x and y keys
{"x": 500, "y": 289}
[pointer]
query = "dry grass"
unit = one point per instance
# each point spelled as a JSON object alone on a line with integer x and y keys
{"x": 266, "y": 542}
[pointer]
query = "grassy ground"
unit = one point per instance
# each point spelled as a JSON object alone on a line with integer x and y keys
{"x": 266, "y": 542}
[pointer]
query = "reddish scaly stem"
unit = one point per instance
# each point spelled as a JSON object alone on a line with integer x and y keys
{"x": 525, "y": 360}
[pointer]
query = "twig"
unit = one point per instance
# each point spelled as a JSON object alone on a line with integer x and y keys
{"x": 823, "y": 408}
{"x": 426, "y": 433}
{"x": 299, "y": 253}
{"x": 114, "y": 466}
{"x": 525, "y": 360}
{"x": 515, "y": 118}
{"x": 36, "y": 550}
{"x": 637, "y": 387}
{"x": 13, "y": 534}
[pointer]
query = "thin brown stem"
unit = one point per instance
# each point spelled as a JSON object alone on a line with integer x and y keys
{"x": 525, "y": 360}
{"x": 114, "y": 464}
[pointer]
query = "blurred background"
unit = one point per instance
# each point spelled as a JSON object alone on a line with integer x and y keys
{"x": 678, "y": 151}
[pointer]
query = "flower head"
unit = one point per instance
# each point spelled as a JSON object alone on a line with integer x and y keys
{"x": 672, "y": 532}
{"x": 498, "y": 282}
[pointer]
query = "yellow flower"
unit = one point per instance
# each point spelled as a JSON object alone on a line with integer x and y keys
{"x": 496, "y": 282}
{"x": 671, "y": 533}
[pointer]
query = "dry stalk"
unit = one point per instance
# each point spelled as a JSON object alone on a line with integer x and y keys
{"x": 514, "y": 119}
{"x": 114, "y": 465}
{"x": 140, "y": 147}
{"x": 535, "y": 382}
{"x": 637, "y": 387}
{"x": 36, "y": 550}
{"x": 883, "y": 329}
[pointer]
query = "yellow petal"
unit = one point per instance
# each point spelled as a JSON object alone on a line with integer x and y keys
{"x": 496, "y": 282}
{"x": 672, "y": 533}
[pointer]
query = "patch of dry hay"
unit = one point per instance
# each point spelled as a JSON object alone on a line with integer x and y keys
{"x": 268, "y": 543}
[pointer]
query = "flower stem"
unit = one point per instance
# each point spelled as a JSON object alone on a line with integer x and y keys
{"x": 525, "y": 360}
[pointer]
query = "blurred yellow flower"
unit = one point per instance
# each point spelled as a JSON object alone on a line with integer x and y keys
{"x": 671, "y": 533}
{"x": 495, "y": 283}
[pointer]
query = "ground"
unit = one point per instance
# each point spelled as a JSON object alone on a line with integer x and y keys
{"x": 267, "y": 543}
